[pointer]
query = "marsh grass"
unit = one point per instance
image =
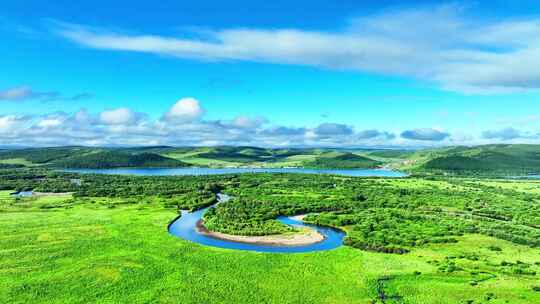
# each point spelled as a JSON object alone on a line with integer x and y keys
{"x": 92, "y": 253}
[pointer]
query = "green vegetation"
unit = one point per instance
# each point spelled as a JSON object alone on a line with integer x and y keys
{"x": 342, "y": 160}
{"x": 240, "y": 218}
{"x": 488, "y": 160}
{"x": 383, "y": 215}
{"x": 108, "y": 241}
{"x": 114, "y": 159}
{"x": 15, "y": 161}
{"x": 10, "y": 166}
{"x": 430, "y": 239}
{"x": 84, "y": 157}
{"x": 42, "y": 155}
{"x": 397, "y": 154}
{"x": 501, "y": 160}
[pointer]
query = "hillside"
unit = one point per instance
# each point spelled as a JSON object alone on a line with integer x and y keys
{"x": 115, "y": 159}
{"x": 228, "y": 156}
{"x": 43, "y": 155}
{"x": 342, "y": 160}
{"x": 488, "y": 159}
{"x": 220, "y": 156}
{"x": 396, "y": 154}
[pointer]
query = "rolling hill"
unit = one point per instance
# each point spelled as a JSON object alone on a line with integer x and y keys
{"x": 342, "y": 160}
{"x": 487, "y": 159}
{"x": 44, "y": 155}
{"x": 116, "y": 159}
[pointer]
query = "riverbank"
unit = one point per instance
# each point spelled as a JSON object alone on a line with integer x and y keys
{"x": 306, "y": 236}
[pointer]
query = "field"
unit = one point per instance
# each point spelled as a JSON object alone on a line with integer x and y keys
{"x": 16, "y": 161}
{"x": 108, "y": 243}
{"x": 87, "y": 253}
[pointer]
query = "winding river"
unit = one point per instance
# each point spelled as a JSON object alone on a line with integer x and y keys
{"x": 185, "y": 227}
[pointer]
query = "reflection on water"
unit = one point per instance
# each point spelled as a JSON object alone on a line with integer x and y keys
{"x": 214, "y": 171}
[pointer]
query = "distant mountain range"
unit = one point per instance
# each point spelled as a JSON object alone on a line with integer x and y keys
{"x": 487, "y": 159}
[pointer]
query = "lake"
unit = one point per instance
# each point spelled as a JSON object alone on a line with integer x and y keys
{"x": 215, "y": 171}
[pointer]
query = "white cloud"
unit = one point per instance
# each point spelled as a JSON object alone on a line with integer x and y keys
{"x": 17, "y": 93}
{"x": 440, "y": 44}
{"x": 120, "y": 116}
{"x": 49, "y": 123}
{"x": 427, "y": 134}
{"x": 245, "y": 122}
{"x": 10, "y": 123}
{"x": 332, "y": 129}
{"x": 185, "y": 109}
{"x": 504, "y": 134}
{"x": 22, "y": 93}
{"x": 123, "y": 126}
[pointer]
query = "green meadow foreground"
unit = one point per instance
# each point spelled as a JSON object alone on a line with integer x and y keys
{"x": 452, "y": 240}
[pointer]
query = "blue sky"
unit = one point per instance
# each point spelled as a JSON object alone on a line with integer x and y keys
{"x": 308, "y": 73}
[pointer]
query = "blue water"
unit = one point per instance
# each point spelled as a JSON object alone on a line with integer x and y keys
{"x": 214, "y": 171}
{"x": 185, "y": 228}
{"x": 530, "y": 176}
{"x": 23, "y": 194}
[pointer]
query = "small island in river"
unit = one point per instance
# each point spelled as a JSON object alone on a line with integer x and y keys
{"x": 303, "y": 236}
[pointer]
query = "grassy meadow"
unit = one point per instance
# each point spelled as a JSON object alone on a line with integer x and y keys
{"x": 115, "y": 248}
{"x": 103, "y": 254}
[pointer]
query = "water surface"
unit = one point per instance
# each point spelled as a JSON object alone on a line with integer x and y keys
{"x": 23, "y": 193}
{"x": 214, "y": 171}
{"x": 185, "y": 228}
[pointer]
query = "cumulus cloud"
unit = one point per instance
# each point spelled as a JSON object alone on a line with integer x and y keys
{"x": 248, "y": 122}
{"x": 25, "y": 93}
{"x": 120, "y": 116}
{"x": 83, "y": 117}
{"x": 182, "y": 125}
{"x": 332, "y": 129}
{"x": 22, "y": 93}
{"x": 427, "y": 134}
{"x": 284, "y": 131}
{"x": 49, "y": 123}
{"x": 369, "y": 134}
{"x": 123, "y": 126}
{"x": 505, "y": 134}
{"x": 10, "y": 123}
{"x": 185, "y": 109}
{"x": 441, "y": 44}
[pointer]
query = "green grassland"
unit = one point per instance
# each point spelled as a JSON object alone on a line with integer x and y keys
{"x": 91, "y": 252}
{"x": 108, "y": 242}
{"x": 344, "y": 160}
{"x": 16, "y": 161}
